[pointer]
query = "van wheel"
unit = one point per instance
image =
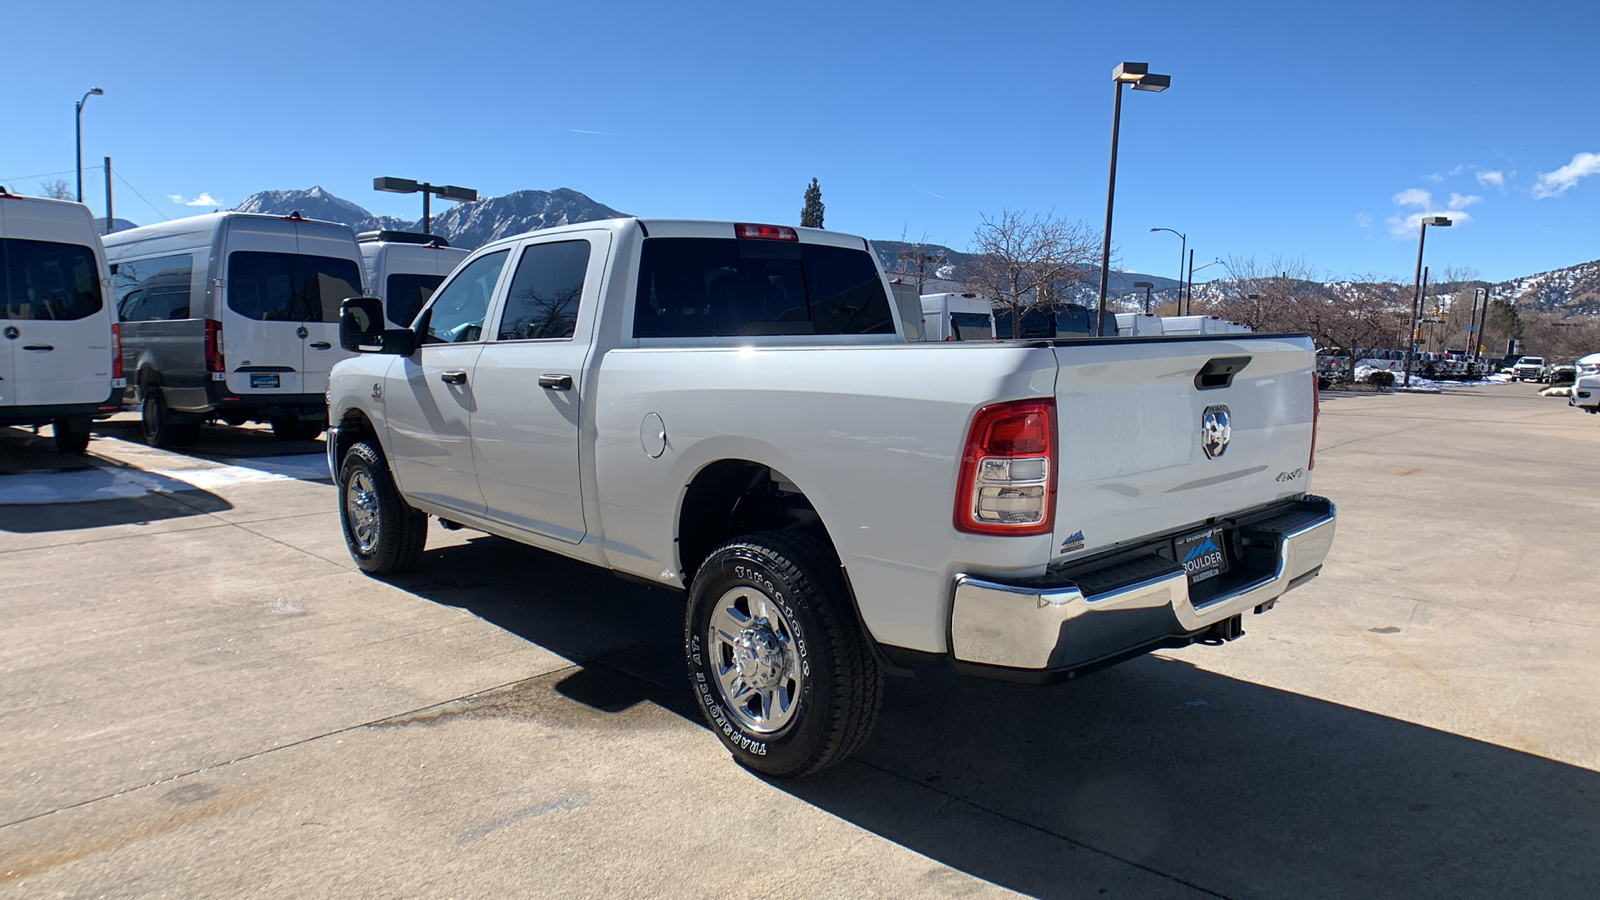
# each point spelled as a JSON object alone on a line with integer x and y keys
{"x": 385, "y": 534}
{"x": 70, "y": 439}
{"x": 289, "y": 428}
{"x": 778, "y": 665}
{"x": 158, "y": 428}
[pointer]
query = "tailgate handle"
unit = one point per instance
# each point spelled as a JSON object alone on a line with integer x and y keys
{"x": 1219, "y": 372}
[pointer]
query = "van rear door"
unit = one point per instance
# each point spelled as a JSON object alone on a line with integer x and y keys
{"x": 53, "y": 316}
{"x": 332, "y": 275}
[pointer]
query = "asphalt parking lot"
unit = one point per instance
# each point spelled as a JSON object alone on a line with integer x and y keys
{"x": 202, "y": 697}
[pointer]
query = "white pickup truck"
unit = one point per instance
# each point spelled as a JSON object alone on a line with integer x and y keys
{"x": 731, "y": 410}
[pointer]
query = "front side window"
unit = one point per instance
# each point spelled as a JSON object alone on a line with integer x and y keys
{"x": 704, "y": 287}
{"x": 543, "y": 301}
{"x": 290, "y": 287}
{"x": 405, "y": 295}
{"x": 153, "y": 290}
{"x": 458, "y": 309}
{"x": 48, "y": 280}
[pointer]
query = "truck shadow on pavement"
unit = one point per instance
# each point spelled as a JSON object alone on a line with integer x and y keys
{"x": 1154, "y": 778}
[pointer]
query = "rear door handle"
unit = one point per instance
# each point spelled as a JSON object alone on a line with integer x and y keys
{"x": 453, "y": 377}
{"x": 321, "y": 345}
{"x": 556, "y": 382}
{"x": 42, "y": 347}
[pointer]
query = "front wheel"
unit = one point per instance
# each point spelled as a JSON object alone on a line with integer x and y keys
{"x": 70, "y": 438}
{"x": 778, "y": 665}
{"x": 385, "y": 534}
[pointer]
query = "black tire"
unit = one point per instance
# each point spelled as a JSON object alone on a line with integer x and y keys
{"x": 157, "y": 425}
{"x": 392, "y": 538}
{"x": 837, "y": 685}
{"x": 70, "y": 439}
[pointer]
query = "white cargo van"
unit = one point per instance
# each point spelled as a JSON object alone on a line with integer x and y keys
{"x": 957, "y": 317}
{"x": 232, "y": 317}
{"x": 58, "y": 354}
{"x": 403, "y": 268}
{"x": 1139, "y": 325}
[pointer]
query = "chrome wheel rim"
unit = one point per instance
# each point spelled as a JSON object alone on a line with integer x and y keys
{"x": 754, "y": 660}
{"x": 361, "y": 511}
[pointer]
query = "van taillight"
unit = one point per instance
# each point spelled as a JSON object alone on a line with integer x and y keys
{"x": 1316, "y": 413}
{"x": 1008, "y": 470}
{"x": 214, "y": 360}
{"x": 116, "y": 350}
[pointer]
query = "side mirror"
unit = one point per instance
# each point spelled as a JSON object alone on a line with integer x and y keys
{"x": 361, "y": 329}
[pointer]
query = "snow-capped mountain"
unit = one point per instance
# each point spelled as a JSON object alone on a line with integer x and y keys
{"x": 1573, "y": 291}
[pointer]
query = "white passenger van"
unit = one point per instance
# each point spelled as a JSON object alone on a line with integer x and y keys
{"x": 1139, "y": 325}
{"x": 957, "y": 317}
{"x": 403, "y": 268}
{"x": 232, "y": 317}
{"x": 58, "y": 354}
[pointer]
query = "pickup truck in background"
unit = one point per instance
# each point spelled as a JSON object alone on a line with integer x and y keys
{"x": 1529, "y": 368}
{"x": 732, "y": 410}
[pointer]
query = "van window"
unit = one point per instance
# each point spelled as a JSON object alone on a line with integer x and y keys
{"x": 458, "y": 309}
{"x": 703, "y": 287}
{"x": 290, "y": 287}
{"x": 971, "y": 326}
{"x": 48, "y": 280}
{"x": 153, "y": 290}
{"x": 543, "y": 301}
{"x": 405, "y": 295}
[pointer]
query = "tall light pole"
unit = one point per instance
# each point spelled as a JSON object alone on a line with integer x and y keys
{"x": 1416, "y": 298}
{"x": 1138, "y": 75}
{"x": 1183, "y": 250}
{"x": 1189, "y": 307}
{"x": 407, "y": 186}
{"x": 92, "y": 92}
{"x": 1147, "y": 285}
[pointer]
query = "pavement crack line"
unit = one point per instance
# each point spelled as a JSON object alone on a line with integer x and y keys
{"x": 953, "y": 798}
{"x": 301, "y": 742}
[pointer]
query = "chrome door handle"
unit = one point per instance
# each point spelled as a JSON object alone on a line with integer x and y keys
{"x": 453, "y": 377}
{"x": 556, "y": 382}
{"x": 321, "y": 345}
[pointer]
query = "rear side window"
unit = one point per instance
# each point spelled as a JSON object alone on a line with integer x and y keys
{"x": 153, "y": 290}
{"x": 290, "y": 287}
{"x": 543, "y": 301}
{"x": 706, "y": 287}
{"x": 405, "y": 295}
{"x": 48, "y": 280}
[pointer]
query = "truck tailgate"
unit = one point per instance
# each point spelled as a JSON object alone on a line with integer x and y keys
{"x": 1132, "y": 421}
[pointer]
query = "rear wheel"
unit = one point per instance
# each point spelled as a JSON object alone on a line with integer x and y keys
{"x": 70, "y": 438}
{"x": 157, "y": 425}
{"x": 778, "y": 665}
{"x": 384, "y": 534}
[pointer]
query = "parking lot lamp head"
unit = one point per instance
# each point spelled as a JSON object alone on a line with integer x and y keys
{"x": 1139, "y": 75}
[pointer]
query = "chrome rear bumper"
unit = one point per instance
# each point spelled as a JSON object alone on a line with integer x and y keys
{"x": 1064, "y": 624}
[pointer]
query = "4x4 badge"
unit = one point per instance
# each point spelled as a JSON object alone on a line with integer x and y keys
{"x": 1216, "y": 429}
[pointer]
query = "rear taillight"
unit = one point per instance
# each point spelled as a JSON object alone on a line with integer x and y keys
{"x": 1008, "y": 471}
{"x": 766, "y": 232}
{"x": 214, "y": 360}
{"x": 1316, "y": 413}
{"x": 116, "y": 350}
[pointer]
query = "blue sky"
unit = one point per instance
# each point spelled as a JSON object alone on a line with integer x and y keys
{"x": 1302, "y": 131}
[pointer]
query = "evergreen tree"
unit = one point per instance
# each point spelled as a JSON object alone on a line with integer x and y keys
{"x": 811, "y": 215}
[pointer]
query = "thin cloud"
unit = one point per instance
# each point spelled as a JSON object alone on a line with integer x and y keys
{"x": 931, "y": 193}
{"x": 1554, "y": 184}
{"x": 1459, "y": 202}
{"x": 1495, "y": 177}
{"x": 1413, "y": 197}
{"x": 204, "y": 199}
{"x": 1405, "y": 227}
{"x": 586, "y": 131}
{"x": 1364, "y": 220}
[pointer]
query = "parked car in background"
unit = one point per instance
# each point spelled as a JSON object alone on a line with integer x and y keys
{"x": 232, "y": 317}
{"x": 1586, "y": 393}
{"x": 59, "y": 363}
{"x": 403, "y": 268}
{"x": 1559, "y": 375}
{"x": 1529, "y": 368}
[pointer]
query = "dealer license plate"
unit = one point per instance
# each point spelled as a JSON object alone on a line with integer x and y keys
{"x": 264, "y": 381}
{"x": 1203, "y": 554}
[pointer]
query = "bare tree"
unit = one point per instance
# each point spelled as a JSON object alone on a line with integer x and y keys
{"x": 57, "y": 189}
{"x": 1271, "y": 296}
{"x": 1023, "y": 263}
{"x": 916, "y": 263}
{"x": 1358, "y": 315}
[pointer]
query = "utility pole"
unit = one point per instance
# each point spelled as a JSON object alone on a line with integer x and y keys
{"x": 111, "y": 217}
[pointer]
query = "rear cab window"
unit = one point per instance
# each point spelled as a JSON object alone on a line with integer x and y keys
{"x": 713, "y": 287}
{"x": 48, "y": 281}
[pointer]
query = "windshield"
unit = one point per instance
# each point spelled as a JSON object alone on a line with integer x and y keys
{"x": 290, "y": 287}
{"x": 405, "y": 295}
{"x": 703, "y": 287}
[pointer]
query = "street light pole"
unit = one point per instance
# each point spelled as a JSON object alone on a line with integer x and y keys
{"x": 1138, "y": 75}
{"x": 407, "y": 186}
{"x": 1183, "y": 250}
{"x": 1147, "y": 285}
{"x": 92, "y": 92}
{"x": 1416, "y": 299}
